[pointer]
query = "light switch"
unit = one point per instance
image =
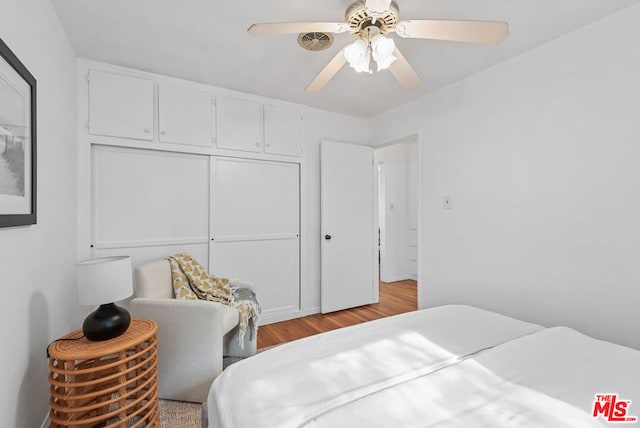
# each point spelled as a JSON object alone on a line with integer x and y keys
{"x": 446, "y": 202}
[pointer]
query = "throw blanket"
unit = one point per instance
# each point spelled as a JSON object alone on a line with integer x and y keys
{"x": 192, "y": 282}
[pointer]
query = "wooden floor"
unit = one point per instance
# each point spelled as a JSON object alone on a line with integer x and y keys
{"x": 395, "y": 298}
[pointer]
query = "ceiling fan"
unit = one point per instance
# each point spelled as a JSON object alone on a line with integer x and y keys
{"x": 369, "y": 21}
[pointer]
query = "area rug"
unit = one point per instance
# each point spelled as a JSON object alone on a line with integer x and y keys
{"x": 179, "y": 414}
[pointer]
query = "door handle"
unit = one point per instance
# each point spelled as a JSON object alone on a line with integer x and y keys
{"x": 327, "y": 237}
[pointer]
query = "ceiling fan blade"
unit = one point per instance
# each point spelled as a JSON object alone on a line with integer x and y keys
{"x": 267, "y": 29}
{"x": 459, "y": 31}
{"x": 377, "y": 6}
{"x": 403, "y": 72}
{"x": 327, "y": 72}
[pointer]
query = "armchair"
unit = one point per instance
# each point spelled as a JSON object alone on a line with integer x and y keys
{"x": 193, "y": 336}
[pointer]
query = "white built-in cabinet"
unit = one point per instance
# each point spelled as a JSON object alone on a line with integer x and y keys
{"x": 124, "y": 106}
{"x": 250, "y": 126}
{"x": 283, "y": 130}
{"x": 185, "y": 115}
{"x": 239, "y": 124}
{"x": 120, "y": 105}
{"x": 192, "y": 169}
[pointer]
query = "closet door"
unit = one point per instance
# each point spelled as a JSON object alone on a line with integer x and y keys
{"x": 255, "y": 224}
{"x": 149, "y": 204}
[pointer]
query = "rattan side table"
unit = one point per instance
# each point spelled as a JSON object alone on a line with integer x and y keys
{"x": 113, "y": 383}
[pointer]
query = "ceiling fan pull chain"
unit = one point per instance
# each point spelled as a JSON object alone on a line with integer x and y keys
{"x": 370, "y": 51}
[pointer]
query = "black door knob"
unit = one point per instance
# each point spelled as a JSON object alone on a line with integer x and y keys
{"x": 327, "y": 237}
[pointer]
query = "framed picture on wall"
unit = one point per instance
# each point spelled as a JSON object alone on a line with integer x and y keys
{"x": 17, "y": 141}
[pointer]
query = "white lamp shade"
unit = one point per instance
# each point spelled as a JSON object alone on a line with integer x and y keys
{"x": 357, "y": 55}
{"x": 382, "y": 51}
{"x": 104, "y": 280}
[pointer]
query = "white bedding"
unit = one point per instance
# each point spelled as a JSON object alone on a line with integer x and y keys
{"x": 452, "y": 366}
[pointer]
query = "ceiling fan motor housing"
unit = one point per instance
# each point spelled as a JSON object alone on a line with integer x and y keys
{"x": 359, "y": 19}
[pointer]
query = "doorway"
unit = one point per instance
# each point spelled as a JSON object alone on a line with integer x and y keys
{"x": 397, "y": 182}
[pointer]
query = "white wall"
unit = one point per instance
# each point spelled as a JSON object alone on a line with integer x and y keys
{"x": 394, "y": 221}
{"x": 37, "y": 262}
{"x": 540, "y": 155}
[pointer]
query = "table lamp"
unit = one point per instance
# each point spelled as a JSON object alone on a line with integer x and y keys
{"x": 101, "y": 282}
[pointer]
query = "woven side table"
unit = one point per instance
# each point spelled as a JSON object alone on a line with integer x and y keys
{"x": 113, "y": 383}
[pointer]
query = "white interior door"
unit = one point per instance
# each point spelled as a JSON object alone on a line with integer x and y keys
{"x": 347, "y": 210}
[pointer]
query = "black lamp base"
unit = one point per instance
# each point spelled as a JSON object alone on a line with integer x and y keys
{"x": 106, "y": 322}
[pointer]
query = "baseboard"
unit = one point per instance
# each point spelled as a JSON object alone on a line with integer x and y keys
{"x": 310, "y": 311}
{"x": 396, "y": 278}
{"x": 278, "y": 316}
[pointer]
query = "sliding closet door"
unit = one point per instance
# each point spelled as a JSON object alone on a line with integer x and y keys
{"x": 149, "y": 204}
{"x": 255, "y": 225}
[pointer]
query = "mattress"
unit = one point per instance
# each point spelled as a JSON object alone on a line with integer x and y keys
{"x": 451, "y": 366}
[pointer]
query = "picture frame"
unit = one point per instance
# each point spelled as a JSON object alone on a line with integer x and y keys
{"x": 18, "y": 172}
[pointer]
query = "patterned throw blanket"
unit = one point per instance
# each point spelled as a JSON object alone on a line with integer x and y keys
{"x": 192, "y": 282}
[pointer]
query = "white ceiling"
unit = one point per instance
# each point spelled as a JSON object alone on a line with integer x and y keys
{"x": 206, "y": 41}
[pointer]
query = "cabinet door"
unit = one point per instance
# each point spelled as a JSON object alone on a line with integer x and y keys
{"x": 239, "y": 124}
{"x": 120, "y": 106}
{"x": 185, "y": 115}
{"x": 283, "y": 130}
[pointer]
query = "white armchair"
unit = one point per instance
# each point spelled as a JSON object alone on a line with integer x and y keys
{"x": 193, "y": 336}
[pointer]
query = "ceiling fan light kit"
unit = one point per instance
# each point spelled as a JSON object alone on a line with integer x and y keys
{"x": 368, "y": 21}
{"x": 357, "y": 55}
{"x": 360, "y": 53}
{"x": 382, "y": 50}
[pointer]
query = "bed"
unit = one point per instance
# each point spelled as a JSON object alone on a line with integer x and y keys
{"x": 450, "y": 366}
